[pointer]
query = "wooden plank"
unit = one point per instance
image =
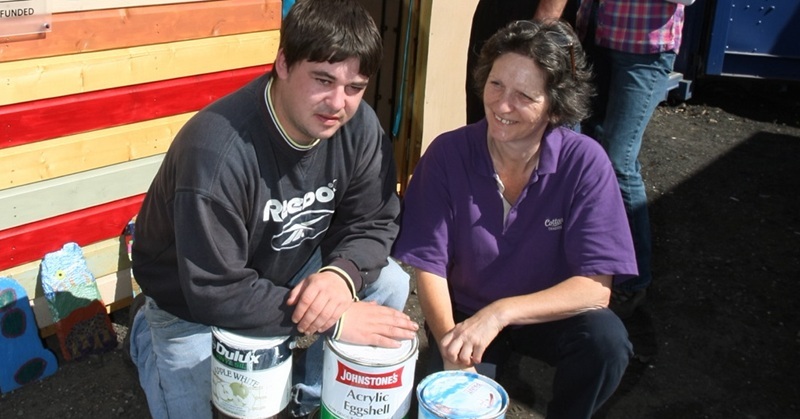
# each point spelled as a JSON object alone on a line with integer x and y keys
{"x": 446, "y": 50}
{"x": 42, "y": 200}
{"x": 52, "y": 118}
{"x": 60, "y": 6}
{"x": 116, "y": 290}
{"x": 102, "y": 258}
{"x": 100, "y": 29}
{"x": 42, "y": 78}
{"x": 31, "y": 242}
{"x": 50, "y": 159}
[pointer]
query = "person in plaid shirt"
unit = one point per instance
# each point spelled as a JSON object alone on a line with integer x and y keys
{"x": 633, "y": 45}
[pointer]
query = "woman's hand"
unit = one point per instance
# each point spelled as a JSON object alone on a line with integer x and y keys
{"x": 465, "y": 344}
{"x": 448, "y": 366}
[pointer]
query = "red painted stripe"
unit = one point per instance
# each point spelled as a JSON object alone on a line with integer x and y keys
{"x": 28, "y": 122}
{"x": 31, "y": 242}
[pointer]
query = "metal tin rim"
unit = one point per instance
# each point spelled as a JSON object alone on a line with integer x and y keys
{"x": 431, "y": 409}
{"x": 340, "y": 349}
{"x": 249, "y": 342}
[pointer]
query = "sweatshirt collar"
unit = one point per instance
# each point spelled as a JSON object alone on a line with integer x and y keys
{"x": 270, "y": 108}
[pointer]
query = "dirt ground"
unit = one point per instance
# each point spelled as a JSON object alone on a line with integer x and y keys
{"x": 720, "y": 335}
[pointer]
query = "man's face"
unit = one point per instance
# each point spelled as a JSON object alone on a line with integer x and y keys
{"x": 312, "y": 100}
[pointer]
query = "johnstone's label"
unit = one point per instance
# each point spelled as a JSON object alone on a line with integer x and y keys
{"x": 367, "y": 392}
{"x": 351, "y": 377}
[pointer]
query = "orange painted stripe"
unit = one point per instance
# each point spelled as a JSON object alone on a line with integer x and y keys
{"x": 44, "y": 119}
{"x": 32, "y": 241}
{"x": 119, "y": 28}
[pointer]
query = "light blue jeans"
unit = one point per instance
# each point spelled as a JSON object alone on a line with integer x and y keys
{"x": 630, "y": 86}
{"x": 173, "y": 356}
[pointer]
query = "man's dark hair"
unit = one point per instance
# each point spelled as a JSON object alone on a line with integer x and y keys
{"x": 332, "y": 31}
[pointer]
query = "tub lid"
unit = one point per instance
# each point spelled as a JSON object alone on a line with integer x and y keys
{"x": 374, "y": 355}
{"x": 461, "y": 394}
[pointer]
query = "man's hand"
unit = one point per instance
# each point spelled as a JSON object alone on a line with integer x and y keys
{"x": 367, "y": 323}
{"x": 319, "y": 300}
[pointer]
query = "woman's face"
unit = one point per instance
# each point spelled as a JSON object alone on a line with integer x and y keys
{"x": 514, "y": 99}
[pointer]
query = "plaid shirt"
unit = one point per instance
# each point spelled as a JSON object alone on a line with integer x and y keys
{"x": 634, "y": 26}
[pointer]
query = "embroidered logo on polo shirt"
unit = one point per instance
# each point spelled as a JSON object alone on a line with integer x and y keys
{"x": 554, "y": 224}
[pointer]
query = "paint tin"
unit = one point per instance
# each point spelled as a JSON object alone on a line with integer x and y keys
{"x": 251, "y": 377}
{"x": 367, "y": 381}
{"x": 460, "y": 395}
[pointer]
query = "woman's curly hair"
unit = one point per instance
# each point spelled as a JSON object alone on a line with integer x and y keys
{"x": 555, "y": 48}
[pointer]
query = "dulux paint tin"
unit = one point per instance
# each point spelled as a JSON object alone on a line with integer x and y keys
{"x": 367, "y": 381}
{"x": 460, "y": 395}
{"x": 251, "y": 377}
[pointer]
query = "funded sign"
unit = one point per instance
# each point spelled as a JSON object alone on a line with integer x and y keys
{"x": 23, "y": 17}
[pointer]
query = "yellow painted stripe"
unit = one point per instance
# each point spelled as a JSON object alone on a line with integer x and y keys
{"x": 60, "y": 6}
{"x": 43, "y": 160}
{"x": 41, "y": 78}
{"x": 54, "y": 197}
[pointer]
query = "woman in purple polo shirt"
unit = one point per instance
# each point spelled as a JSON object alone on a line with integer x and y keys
{"x": 516, "y": 228}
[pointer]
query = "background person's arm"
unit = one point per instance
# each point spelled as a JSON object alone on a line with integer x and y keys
{"x": 549, "y": 9}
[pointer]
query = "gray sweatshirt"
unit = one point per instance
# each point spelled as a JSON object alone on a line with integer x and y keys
{"x": 235, "y": 211}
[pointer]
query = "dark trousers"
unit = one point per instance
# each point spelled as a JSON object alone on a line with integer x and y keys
{"x": 590, "y": 352}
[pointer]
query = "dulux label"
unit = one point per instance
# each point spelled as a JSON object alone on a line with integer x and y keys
{"x": 247, "y": 382}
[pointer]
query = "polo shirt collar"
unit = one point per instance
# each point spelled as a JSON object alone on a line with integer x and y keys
{"x": 482, "y": 161}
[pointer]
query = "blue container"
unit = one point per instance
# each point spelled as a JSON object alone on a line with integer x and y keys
{"x": 460, "y": 395}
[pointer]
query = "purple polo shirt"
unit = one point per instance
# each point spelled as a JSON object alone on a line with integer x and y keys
{"x": 568, "y": 221}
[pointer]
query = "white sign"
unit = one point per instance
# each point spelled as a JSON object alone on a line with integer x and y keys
{"x": 23, "y": 17}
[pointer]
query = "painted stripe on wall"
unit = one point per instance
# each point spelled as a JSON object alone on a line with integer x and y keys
{"x": 59, "y": 6}
{"x": 41, "y": 200}
{"x": 44, "y": 160}
{"x": 42, "y": 78}
{"x": 31, "y": 242}
{"x": 100, "y": 29}
{"x": 44, "y": 119}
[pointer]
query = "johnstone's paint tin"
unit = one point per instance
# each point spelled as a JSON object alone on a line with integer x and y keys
{"x": 460, "y": 395}
{"x": 251, "y": 377}
{"x": 367, "y": 381}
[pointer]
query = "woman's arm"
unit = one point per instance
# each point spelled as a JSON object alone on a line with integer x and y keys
{"x": 467, "y": 341}
{"x": 434, "y": 298}
{"x": 571, "y": 297}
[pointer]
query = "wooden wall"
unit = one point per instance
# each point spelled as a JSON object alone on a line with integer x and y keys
{"x": 434, "y": 100}
{"x": 88, "y": 110}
